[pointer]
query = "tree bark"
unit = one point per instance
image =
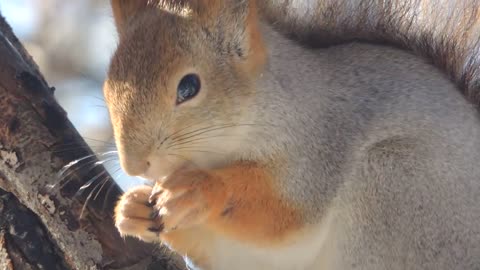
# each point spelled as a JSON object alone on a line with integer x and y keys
{"x": 43, "y": 227}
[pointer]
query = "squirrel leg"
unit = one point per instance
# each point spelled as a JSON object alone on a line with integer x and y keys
{"x": 240, "y": 201}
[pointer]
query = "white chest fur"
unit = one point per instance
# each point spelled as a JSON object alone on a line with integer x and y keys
{"x": 310, "y": 251}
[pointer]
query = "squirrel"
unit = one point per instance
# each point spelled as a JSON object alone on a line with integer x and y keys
{"x": 445, "y": 31}
{"x": 264, "y": 154}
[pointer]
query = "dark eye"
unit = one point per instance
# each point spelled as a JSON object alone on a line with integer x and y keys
{"x": 188, "y": 87}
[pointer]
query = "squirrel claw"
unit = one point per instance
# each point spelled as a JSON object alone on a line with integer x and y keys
{"x": 154, "y": 215}
{"x": 157, "y": 229}
{"x": 156, "y": 192}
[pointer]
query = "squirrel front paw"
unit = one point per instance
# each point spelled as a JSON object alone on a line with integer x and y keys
{"x": 188, "y": 198}
{"x": 135, "y": 216}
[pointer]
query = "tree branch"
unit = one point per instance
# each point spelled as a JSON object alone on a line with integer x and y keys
{"x": 19, "y": 228}
{"x": 36, "y": 141}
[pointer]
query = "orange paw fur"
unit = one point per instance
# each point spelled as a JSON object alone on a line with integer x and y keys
{"x": 240, "y": 201}
{"x": 135, "y": 216}
{"x": 189, "y": 198}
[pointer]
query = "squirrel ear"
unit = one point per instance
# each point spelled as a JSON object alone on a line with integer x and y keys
{"x": 247, "y": 39}
{"x": 123, "y": 10}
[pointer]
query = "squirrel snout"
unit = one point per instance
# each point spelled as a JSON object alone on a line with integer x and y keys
{"x": 152, "y": 167}
{"x": 135, "y": 167}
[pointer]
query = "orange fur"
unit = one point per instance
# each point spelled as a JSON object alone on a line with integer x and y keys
{"x": 124, "y": 9}
{"x": 149, "y": 74}
{"x": 258, "y": 214}
{"x": 242, "y": 202}
{"x": 257, "y": 46}
{"x": 133, "y": 214}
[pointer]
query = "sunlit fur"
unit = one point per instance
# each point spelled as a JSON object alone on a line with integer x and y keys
{"x": 446, "y": 31}
{"x": 143, "y": 79}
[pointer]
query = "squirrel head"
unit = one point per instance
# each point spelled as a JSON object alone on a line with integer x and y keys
{"x": 181, "y": 80}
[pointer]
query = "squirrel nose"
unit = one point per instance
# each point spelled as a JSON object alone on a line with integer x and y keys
{"x": 135, "y": 167}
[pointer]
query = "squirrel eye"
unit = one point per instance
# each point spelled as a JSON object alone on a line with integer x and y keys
{"x": 188, "y": 88}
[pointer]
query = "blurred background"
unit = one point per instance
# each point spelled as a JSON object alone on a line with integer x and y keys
{"x": 72, "y": 42}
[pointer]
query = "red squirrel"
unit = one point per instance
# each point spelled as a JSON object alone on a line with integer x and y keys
{"x": 265, "y": 154}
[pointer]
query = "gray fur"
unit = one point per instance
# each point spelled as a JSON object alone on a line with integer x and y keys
{"x": 446, "y": 31}
{"x": 376, "y": 145}
{"x": 386, "y": 140}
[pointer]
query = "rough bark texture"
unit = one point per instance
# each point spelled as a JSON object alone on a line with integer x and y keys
{"x": 42, "y": 229}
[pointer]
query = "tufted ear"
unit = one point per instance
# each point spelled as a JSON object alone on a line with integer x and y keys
{"x": 123, "y": 10}
{"x": 243, "y": 28}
